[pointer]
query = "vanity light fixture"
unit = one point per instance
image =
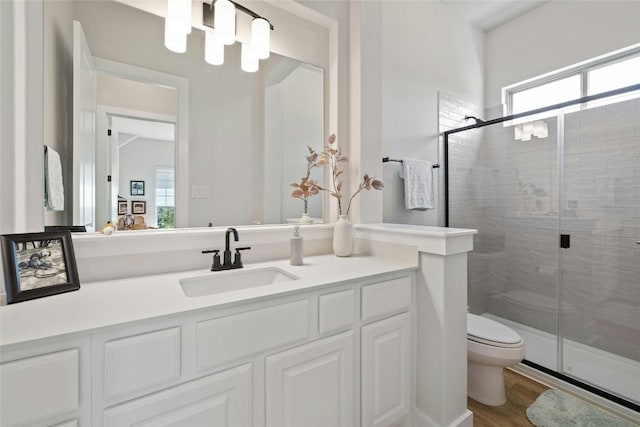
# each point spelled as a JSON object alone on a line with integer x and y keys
{"x": 224, "y": 22}
{"x": 177, "y": 25}
{"x": 249, "y": 61}
{"x": 220, "y": 16}
{"x": 213, "y": 49}
{"x": 525, "y": 131}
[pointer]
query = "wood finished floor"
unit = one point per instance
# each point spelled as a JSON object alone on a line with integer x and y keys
{"x": 521, "y": 392}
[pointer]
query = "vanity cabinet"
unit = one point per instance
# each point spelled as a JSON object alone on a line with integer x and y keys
{"x": 47, "y": 384}
{"x": 337, "y": 356}
{"x": 386, "y": 351}
{"x": 386, "y": 371}
{"x": 312, "y": 385}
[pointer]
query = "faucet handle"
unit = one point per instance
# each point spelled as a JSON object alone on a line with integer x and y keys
{"x": 237, "y": 259}
{"x": 216, "y": 258}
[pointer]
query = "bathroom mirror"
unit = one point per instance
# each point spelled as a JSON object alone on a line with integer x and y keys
{"x": 247, "y": 132}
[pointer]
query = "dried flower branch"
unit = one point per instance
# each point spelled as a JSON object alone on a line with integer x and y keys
{"x": 307, "y": 187}
{"x": 332, "y": 157}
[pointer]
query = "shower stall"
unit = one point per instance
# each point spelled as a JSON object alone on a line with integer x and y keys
{"x": 555, "y": 197}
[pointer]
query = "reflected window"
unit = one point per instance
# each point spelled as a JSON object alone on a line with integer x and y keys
{"x": 165, "y": 197}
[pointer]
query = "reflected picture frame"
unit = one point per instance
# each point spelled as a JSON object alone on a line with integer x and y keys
{"x": 38, "y": 265}
{"x": 136, "y": 188}
{"x": 138, "y": 207}
{"x": 123, "y": 207}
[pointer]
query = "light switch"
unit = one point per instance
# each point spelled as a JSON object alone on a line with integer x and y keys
{"x": 199, "y": 191}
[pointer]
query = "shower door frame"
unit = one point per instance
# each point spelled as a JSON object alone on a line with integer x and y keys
{"x": 560, "y": 170}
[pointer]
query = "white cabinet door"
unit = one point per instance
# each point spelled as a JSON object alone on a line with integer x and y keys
{"x": 386, "y": 367}
{"x": 219, "y": 400}
{"x": 312, "y": 385}
{"x": 45, "y": 384}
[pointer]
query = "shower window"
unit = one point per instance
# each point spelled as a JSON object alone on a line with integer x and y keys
{"x": 612, "y": 71}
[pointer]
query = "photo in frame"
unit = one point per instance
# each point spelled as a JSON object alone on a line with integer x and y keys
{"x": 138, "y": 207}
{"x": 123, "y": 207}
{"x": 38, "y": 265}
{"x": 137, "y": 188}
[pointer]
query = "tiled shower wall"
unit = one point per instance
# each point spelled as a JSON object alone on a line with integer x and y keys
{"x": 509, "y": 191}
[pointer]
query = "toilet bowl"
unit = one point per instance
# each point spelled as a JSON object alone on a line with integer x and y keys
{"x": 491, "y": 346}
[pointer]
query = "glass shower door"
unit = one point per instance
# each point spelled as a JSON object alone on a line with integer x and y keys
{"x": 599, "y": 304}
{"x": 505, "y": 185}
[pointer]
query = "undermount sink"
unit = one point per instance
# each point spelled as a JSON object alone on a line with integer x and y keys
{"x": 233, "y": 280}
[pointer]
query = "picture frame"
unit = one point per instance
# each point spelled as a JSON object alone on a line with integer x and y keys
{"x": 38, "y": 265}
{"x": 123, "y": 207}
{"x": 138, "y": 207}
{"x": 137, "y": 188}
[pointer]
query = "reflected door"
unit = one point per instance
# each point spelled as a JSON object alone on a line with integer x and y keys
{"x": 84, "y": 130}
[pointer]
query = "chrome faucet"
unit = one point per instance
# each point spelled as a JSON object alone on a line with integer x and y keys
{"x": 227, "y": 264}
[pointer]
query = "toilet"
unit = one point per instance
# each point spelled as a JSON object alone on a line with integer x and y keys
{"x": 491, "y": 346}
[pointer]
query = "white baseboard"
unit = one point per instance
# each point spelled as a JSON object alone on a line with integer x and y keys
{"x": 422, "y": 420}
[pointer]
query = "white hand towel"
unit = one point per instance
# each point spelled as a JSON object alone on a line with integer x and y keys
{"x": 53, "y": 186}
{"x": 418, "y": 184}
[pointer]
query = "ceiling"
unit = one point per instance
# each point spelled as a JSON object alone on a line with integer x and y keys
{"x": 490, "y": 14}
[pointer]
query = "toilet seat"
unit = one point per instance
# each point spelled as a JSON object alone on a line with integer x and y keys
{"x": 488, "y": 332}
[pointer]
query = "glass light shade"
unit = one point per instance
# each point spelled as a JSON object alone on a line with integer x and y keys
{"x": 213, "y": 49}
{"x": 174, "y": 38}
{"x": 224, "y": 21}
{"x": 527, "y": 131}
{"x": 540, "y": 129}
{"x": 261, "y": 37}
{"x": 179, "y": 13}
{"x": 248, "y": 60}
{"x": 517, "y": 129}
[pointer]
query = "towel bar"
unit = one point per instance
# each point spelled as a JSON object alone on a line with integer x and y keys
{"x": 386, "y": 159}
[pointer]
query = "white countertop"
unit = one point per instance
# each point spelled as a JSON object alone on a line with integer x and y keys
{"x": 103, "y": 304}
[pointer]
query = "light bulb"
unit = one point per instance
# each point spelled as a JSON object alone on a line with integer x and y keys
{"x": 224, "y": 21}
{"x": 174, "y": 39}
{"x": 248, "y": 60}
{"x": 540, "y": 129}
{"x": 261, "y": 37}
{"x": 213, "y": 49}
{"x": 518, "y": 132}
{"x": 179, "y": 13}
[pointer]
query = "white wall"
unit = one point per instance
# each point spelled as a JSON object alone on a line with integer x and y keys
{"x": 119, "y": 92}
{"x": 293, "y": 121}
{"x": 138, "y": 161}
{"x": 425, "y": 48}
{"x": 555, "y": 35}
{"x": 58, "y": 97}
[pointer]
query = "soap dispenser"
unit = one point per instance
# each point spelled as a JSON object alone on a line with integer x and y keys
{"x": 296, "y": 253}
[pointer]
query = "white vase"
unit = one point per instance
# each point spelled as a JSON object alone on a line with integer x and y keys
{"x": 305, "y": 219}
{"x": 343, "y": 236}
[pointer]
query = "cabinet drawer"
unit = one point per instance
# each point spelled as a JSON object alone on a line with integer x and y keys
{"x": 386, "y": 297}
{"x": 222, "y": 399}
{"x": 241, "y": 335}
{"x": 139, "y": 362}
{"x": 40, "y": 387}
{"x": 336, "y": 311}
